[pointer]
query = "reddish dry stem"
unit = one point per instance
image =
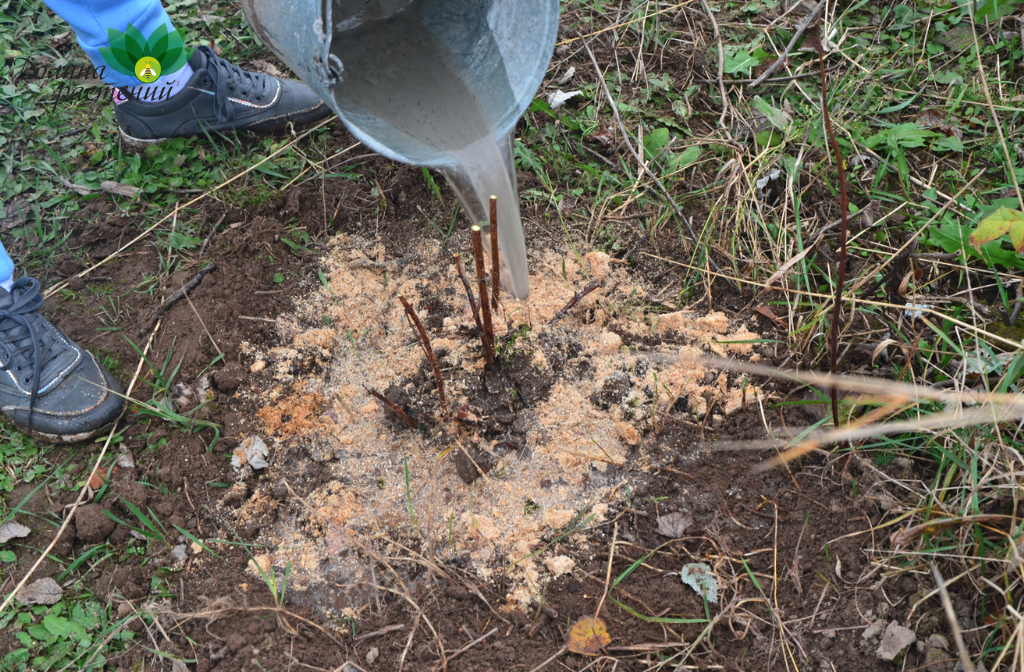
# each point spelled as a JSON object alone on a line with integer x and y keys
{"x": 392, "y": 406}
{"x": 485, "y": 307}
{"x": 421, "y": 334}
{"x": 833, "y": 336}
{"x": 575, "y": 299}
{"x": 495, "y": 270}
{"x": 469, "y": 292}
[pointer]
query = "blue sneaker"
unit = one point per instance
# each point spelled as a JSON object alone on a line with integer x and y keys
{"x": 50, "y": 388}
{"x": 219, "y": 97}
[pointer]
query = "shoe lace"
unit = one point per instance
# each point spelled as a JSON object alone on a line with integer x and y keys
{"x": 29, "y": 344}
{"x": 228, "y": 79}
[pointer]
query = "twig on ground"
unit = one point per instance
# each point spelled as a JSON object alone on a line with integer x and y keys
{"x": 551, "y": 659}
{"x": 485, "y": 308}
{"x": 174, "y": 298}
{"x": 391, "y": 406}
{"x": 213, "y": 231}
{"x": 421, "y": 334}
{"x": 954, "y": 624}
{"x": 814, "y": 39}
{"x": 574, "y": 300}
{"x": 201, "y": 323}
{"x": 800, "y": 28}
{"x": 469, "y": 646}
{"x": 495, "y": 269}
{"x": 721, "y": 64}
{"x": 642, "y": 167}
{"x": 382, "y": 631}
{"x": 469, "y": 292}
{"x": 608, "y": 575}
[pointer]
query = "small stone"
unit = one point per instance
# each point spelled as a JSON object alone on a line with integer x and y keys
{"x": 252, "y": 451}
{"x": 628, "y": 433}
{"x": 179, "y": 554}
{"x": 371, "y": 655}
{"x": 872, "y": 631}
{"x": 257, "y": 366}
{"x": 896, "y": 640}
{"x": 938, "y": 641}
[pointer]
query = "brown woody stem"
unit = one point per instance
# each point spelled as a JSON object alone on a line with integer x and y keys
{"x": 844, "y": 206}
{"x": 469, "y": 292}
{"x": 392, "y": 406}
{"x": 485, "y": 308}
{"x": 421, "y": 334}
{"x": 495, "y": 271}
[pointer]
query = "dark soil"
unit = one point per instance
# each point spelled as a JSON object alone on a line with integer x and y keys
{"x": 791, "y": 541}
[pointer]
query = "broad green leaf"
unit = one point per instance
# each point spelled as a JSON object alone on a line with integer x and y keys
{"x": 769, "y": 138}
{"x": 738, "y": 60}
{"x": 655, "y": 141}
{"x": 775, "y": 116}
{"x": 58, "y": 626}
{"x": 948, "y": 144}
{"x": 990, "y": 10}
{"x": 682, "y": 159}
{"x": 1002, "y": 222}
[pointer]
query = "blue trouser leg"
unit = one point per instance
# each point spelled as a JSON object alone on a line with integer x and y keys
{"x": 90, "y": 19}
{"x": 6, "y": 265}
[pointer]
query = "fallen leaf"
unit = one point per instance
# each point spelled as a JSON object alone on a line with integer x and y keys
{"x": 701, "y": 578}
{"x": 1000, "y": 223}
{"x": 766, "y": 311}
{"x": 79, "y": 189}
{"x": 905, "y": 537}
{"x": 43, "y": 591}
{"x": 588, "y": 636}
{"x": 61, "y": 39}
{"x": 100, "y": 477}
{"x": 119, "y": 189}
{"x": 12, "y": 530}
{"x": 558, "y": 98}
{"x": 268, "y": 68}
{"x": 566, "y": 76}
{"x": 674, "y": 525}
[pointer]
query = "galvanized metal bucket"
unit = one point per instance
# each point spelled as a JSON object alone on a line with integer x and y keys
{"x": 523, "y": 31}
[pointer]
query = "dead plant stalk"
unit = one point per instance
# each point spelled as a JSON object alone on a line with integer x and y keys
{"x": 421, "y": 334}
{"x": 814, "y": 38}
{"x": 485, "y": 307}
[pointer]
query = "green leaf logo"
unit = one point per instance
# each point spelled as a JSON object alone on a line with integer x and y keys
{"x": 130, "y": 53}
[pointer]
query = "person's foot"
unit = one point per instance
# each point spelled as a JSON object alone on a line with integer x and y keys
{"x": 219, "y": 97}
{"x": 50, "y": 388}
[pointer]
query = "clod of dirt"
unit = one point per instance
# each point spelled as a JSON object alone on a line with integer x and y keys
{"x": 129, "y": 491}
{"x": 230, "y": 377}
{"x": 92, "y": 524}
{"x": 895, "y": 642}
{"x": 674, "y": 525}
{"x": 472, "y": 464}
{"x": 613, "y": 390}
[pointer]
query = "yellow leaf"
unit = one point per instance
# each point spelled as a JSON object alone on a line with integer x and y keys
{"x": 1000, "y": 223}
{"x": 588, "y": 636}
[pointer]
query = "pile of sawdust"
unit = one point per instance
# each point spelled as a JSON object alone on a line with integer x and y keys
{"x": 389, "y": 484}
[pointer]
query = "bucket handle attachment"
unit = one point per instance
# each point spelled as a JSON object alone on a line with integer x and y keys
{"x": 328, "y": 66}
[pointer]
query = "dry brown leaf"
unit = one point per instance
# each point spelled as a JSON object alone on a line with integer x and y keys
{"x": 12, "y": 530}
{"x": 674, "y": 525}
{"x": 43, "y": 591}
{"x": 588, "y": 636}
{"x": 119, "y": 189}
{"x": 905, "y": 537}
